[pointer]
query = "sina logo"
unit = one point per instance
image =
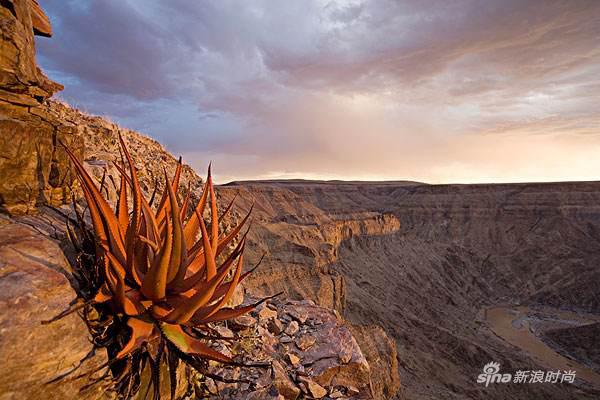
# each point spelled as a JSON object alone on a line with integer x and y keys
{"x": 491, "y": 374}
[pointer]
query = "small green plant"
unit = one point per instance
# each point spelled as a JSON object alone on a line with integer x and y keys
{"x": 151, "y": 289}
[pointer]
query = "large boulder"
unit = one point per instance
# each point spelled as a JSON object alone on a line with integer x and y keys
{"x": 33, "y": 288}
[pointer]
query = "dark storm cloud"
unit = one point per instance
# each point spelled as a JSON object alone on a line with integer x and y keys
{"x": 307, "y": 87}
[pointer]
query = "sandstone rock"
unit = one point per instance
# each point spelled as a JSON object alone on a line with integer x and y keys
{"x": 314, "y": 389}
{"x": 283, "y": 383}
{"x": 30, "y": 166}
{"x": 18, "y": 70}
{"x": 224, "y": 332}
{"x": 286, "y": 339}
{"x": 381, "y": 354}
{"x": 266, "y": 314}
{"x": 459, "y": 247}
{"x": 39, "y": 20}
{"x": 35, "y": 285}
{"x": 293, "y": 359}
{"x": 243, "y": 322}
{"x": 264, "y": 394}
{"x": 298, "y": 315}
{"x": 305, "y": 342}
{"x": 333, "y": 342}
{"x": 33, "y": 288}
{"x": 275, "y": 326}
{"x": 292, "y": 328}
{"x": 316, "y": 376}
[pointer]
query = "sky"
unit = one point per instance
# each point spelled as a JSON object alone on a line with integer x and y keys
{"x": 436, "y": 91}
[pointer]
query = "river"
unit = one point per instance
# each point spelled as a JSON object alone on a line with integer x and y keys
{"x": 514, "y": 325}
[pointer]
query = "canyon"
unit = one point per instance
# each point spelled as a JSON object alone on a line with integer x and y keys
{"x": 426, "y": 261}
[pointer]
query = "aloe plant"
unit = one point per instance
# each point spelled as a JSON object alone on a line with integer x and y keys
{"x": 157, "y": 272}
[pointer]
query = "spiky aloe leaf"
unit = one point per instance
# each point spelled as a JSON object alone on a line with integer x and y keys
{"x": 191, "y": 228}
{"x": 221, "y": 301}
{"x": 191, "y": 345}
{"x": 122, "y": 210}
{"x": 141, "y": 331}
{"x": 203, "y": 293}
{"x": 156, "y": 275}
{"x": 209, "y": 255}
{"x": 178, "y": 254}
{"x": 105, "y": 221}
{"x": 154, "y": 285}
{"x": 214, "y": 216}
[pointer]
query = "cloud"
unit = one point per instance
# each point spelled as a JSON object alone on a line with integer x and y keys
{"x": 337, "y": 88}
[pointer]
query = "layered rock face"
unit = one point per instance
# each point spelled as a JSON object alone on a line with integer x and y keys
{"x": 33, "y": 170}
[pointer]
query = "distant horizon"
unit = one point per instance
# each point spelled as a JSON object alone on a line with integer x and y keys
{"x": 433, "y": 91}
{"x": 392, "y": 181}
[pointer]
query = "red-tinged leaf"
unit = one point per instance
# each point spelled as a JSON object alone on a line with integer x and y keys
{"x": 141, "y": 332}
{"x": 130, "y": 305}
{"x": 228, "y": 313}
{"x": 154, "y": 284}
{"x": 196, "y": 261}
{"x": 136, "y": 191}
{"x": 195, "y": 278}
{"x": 209, "y": 255}
{"x": 136, "y": 220}
{"x": 104, "y": 210}
{"x": 191, "y": 345}
{"x": 214, "y": 216}
{"x": 164, "y": 205}
{"x": 122, "y": 208}
{"x": 186, "y": 202}
{"x": 149, "y": 242}
{"x": 141, "y": 264}
{"x": 211, "y": 310}
{"x": 103, "y": 294}
{"x": 203, "y": 293}
{"x": 221, "y": 290}
{"x": 193, "y": 224}
{"x": 148, "y": 214}
{"x": 178, "y": 254}
{"x": 97, "y": 221}
{"x": 222, "y": 315}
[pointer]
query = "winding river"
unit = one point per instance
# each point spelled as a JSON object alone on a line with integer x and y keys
{"x": 514, "y": 326}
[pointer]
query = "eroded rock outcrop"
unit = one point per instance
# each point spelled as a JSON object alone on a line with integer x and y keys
{"x": 303, "y": 351}
{"x": 33, "y": 170}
